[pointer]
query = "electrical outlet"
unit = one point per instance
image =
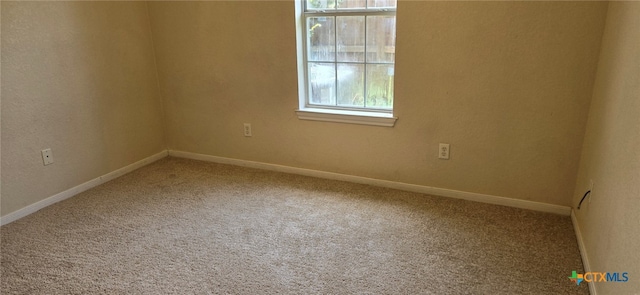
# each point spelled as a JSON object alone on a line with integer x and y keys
{"x": 443, "y": 151}
{"x": 247, "y": 130}
{"x": 47, "y": 157}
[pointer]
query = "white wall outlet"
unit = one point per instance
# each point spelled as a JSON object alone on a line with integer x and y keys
{"x": 443, "y": 151}
{"x": 247, "y": 130}
{"x": 47, "y": 157}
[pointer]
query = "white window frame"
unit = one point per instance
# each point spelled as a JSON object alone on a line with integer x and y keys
{"x": 306, "y": 111}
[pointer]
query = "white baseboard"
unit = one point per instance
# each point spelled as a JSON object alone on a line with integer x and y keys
{"x": 524, "y": 204}
{"x": 15, "y": 215}
{"x": 583, "y": 251}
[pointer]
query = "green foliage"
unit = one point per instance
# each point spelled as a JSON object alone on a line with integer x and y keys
{"x": 318, "y": 4}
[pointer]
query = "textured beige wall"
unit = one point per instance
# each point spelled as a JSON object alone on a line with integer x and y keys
{"x": 78, "y": 78}
{"x": 507, "y": 84}
{"x": 611, "y": 154}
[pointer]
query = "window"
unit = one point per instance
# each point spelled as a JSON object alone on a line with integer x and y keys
{"x": 346, "y": 55}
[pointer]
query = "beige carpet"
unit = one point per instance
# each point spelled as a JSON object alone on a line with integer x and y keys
{"x": 187, "y": 227}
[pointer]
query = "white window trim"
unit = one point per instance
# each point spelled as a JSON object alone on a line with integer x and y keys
{"x": 375, "y": 118}
{"x": 347, "y": 116}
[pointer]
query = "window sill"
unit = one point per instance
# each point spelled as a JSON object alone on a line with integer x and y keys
{"x": 349, "y": 117}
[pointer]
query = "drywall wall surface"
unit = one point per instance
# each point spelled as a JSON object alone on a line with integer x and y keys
{"x": 609, "y": 220}
{"x": 507, "y": 84}
{"x": 79, "y": 78}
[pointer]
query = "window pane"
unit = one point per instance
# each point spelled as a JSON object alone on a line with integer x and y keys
{"x": 382, "y": 3}
{"x": 351, "y": 85}
{"x": 322, "y": 83}
{"x": 381, "y": 38}
{"x": 321, "y": 4}
{"x": 352, "y": 4}
{"x": 321, "y": 39}
{"x": 379, "y": 86}
{"x": 350, "y": 38}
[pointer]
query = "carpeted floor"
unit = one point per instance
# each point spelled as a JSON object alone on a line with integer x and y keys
{"x": 186, "y": 227}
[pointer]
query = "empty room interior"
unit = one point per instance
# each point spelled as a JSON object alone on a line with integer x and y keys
{"x": 194, "y": 147}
